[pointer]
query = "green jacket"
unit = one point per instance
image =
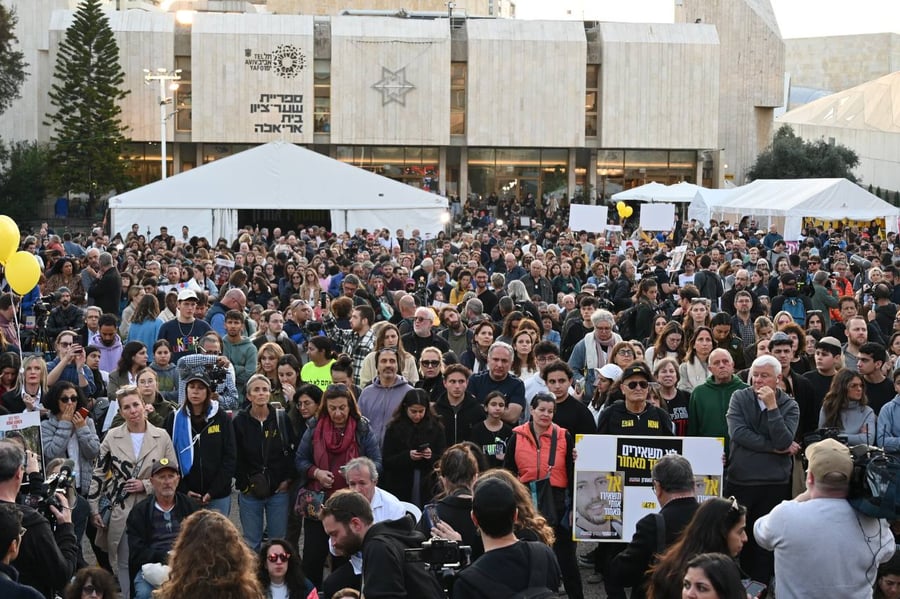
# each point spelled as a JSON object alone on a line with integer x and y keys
{"x": 707, "y": 408}
{"x": 243, "y": 357}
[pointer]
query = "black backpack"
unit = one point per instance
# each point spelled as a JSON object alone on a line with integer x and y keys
{"x": 627, "y": 323}
{"x": 537, "y": 565}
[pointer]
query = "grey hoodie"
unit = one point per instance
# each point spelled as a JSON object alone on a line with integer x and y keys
{"x": 756, "y": 435}
{"x": 855, "y": 418}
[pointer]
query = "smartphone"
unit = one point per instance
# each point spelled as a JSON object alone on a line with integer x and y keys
{"x": 754, "y": 588}
{"x": 432, "y": 514}
{"x": 84, "y": 412}
{"x": 424, "y": 446}
{"x": 323, "y": 299}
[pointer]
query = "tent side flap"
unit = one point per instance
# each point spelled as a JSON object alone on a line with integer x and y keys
{"x": 427, "y": 220}
{"x": 199, "y": 220}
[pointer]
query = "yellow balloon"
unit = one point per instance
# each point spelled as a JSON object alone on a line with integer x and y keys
{"x": 620, "y": 206}
{"x": 9, "y": 237}
{"x": 628, "y": 211}
{"x": 23, "y": 272}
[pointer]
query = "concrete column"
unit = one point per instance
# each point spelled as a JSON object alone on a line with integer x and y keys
{"x": 570, "y": 173}
{"x": 463, "y": 177}
{"x": 592, "y": 176}
{"x": 442, "y": 171}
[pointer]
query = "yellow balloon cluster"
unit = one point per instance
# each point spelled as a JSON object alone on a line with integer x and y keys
{"x": 624, "y": 209}
{"x": 22, "y": 268}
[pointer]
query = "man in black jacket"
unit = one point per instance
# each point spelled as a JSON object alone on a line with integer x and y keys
{"x": 106, "y": 290}
{"x": 347, "y": 519}
{"x": 47, "y": 557}
{"x": 153, "y": 524}
{"x": 673, "y": 484}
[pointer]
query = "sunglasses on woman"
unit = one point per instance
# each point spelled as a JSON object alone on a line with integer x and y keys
{"x": 279, "y": 557}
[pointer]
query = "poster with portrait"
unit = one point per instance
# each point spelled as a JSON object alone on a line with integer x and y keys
{"x": 27, "y": 427}
{"x": 614, "y": 484}
{"x": 224, "y": 268}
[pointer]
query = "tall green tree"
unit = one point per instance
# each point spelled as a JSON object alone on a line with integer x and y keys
{"x": 88, "y": 134}
{"x": 23, "y": 181}
{"x": 12, "y": 61}
{"x": 791, "y": 157}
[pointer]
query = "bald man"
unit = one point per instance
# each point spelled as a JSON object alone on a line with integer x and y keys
{"x": 234, "y": 299}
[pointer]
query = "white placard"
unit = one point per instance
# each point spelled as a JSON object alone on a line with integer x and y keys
{"x": 613, "y": 486}
{"x": 657, "y": 217}
{"x": 588, "y": 218}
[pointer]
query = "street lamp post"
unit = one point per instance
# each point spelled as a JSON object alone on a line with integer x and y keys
{"x": 163, "y": 75}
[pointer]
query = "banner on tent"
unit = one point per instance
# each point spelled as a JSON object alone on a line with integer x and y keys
{"x": 614, "y": 483}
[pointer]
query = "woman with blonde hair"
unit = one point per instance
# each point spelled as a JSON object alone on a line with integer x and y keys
{"x": 210, "y": 561}
{"x": 310, "y": 287}
{"x": 388, "y": 335}
{"x": 267, "y": 361}
{"x": 782, "y": 319}
{"x": 122, "y": 475}
{"x": 26, "y": 396}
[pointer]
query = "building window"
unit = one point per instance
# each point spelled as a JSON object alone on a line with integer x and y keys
{"x": 458, "y": 98}
{"x": 322, "y": 92}
{"x": 591, "y": 100}
{"x": 518, "y": 172}
{"x": 183, "y": 103}
{"x": 414, "y": 166}
{"x": 621, "y": 169}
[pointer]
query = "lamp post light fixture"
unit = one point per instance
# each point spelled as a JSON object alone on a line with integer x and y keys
{"x": 164, "y": 76}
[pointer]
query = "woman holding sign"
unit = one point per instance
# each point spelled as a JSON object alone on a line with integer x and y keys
{"x": 540, "y": 454}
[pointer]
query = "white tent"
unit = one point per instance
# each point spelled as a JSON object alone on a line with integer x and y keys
{"x": 679, "y": 193}
{"x": 276, "y": 176}
{"x": 704, "y": 202}
{"x": 794, "y": 199}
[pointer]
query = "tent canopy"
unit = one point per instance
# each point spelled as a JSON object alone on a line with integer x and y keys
{"x": 817, "y": 198}
{"x": 790, "y": 200}
{"x": 277, "y": 176}
{"x": 679, "y": 193}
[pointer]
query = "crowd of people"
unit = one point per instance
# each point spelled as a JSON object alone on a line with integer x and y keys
{"x": 363, "y": 392}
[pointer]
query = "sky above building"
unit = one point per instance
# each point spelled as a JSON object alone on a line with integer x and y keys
{"x": 796, "y": 18}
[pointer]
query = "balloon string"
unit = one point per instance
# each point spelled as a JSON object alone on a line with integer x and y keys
{"x": 16, "y": 322}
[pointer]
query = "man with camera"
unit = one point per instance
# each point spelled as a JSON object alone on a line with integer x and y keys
{"x": 217, "y": 369}
{"x": 508, "y": 565}
{"x": 822, "y": 517}
{"x": 387, "y": 573}
{"x": 47, "y": 556}
{"x": 66, "y": 316}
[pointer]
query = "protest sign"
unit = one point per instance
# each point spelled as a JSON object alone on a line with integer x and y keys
{"x": 614, "y": 484}
{"x": 26, "y": 425}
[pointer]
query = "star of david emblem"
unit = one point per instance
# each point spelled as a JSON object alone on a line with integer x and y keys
{"x": 393, "y": 86}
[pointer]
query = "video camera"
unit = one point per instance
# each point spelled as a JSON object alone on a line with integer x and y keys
{"x": 45, "y": 496}
{"x": 215, "y": 374}
{"x": 441, "y": 554}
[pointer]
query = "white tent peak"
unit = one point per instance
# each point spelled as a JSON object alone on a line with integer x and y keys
{"x": 277, "y": 176}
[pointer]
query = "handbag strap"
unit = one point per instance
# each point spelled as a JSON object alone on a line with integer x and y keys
{"x": 551, "y": 459}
